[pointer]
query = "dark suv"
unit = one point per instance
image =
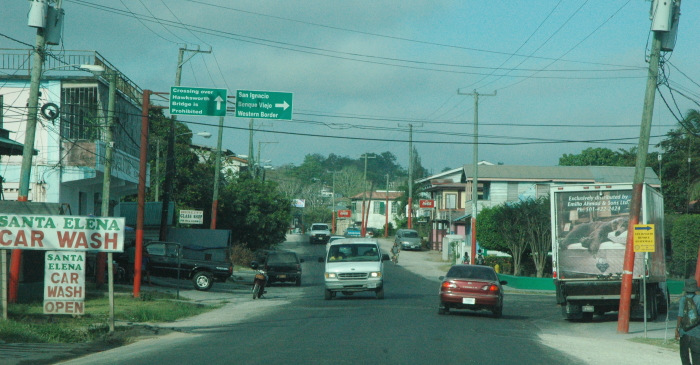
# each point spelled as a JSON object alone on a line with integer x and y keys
{"x": 200, "y": 264}
{"x": 282, "y": 266}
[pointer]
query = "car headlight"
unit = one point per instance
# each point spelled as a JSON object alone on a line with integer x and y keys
{"x": 376, "y": 274}
{"x": 331, "y": 275}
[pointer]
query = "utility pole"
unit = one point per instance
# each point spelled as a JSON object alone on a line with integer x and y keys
{"x": 364, "y": 194}
{"x": 106, "y": 184}
{"x": 170, "y": 159}
{"x": 251, "y": 161}
{"x": 140, "y": 212}
{"x": 333, "y": 208}
{"x": 260, "y": 166}
{"x": 28, "y": 150}
{"x": 475, "y": 170}
{"x": 409, "y": 212}
{"x": 217, "y": 171}
{"x": 663, "y": 14}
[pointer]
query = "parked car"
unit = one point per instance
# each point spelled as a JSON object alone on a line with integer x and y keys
{"x": 471, "y": 287}
{"x": 319, "y": 233}
{"x": 371, "y": 232}
{"x": 408, "y": 239}
{"x": 202, "y": 265}
{"x": 283, "y": 266}
{"x": 353, "y": 232}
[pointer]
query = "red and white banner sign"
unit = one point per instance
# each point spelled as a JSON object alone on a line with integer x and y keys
{"x": 426, "y": 203}
{"x": 62, "y": 232}
{"x": 344, "y": 214}
{"x": 64, "y": 282}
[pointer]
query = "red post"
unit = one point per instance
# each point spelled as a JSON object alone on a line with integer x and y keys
{"x": 623, "y": 316}
{"x": 214, "y": 208}
{"x": 410, "y": 212}
{"x": 362, "y": 220}
{"x": 138, "y": 257}
{"x": 333, "y": 224}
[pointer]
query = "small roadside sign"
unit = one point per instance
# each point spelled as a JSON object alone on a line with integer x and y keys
{"x": 264, "y": 104}
{"x": 191, "y": 216}
{"x": 644, "y": 238}
{"x": 344, "y": 213}
{"x": 197, "y": 101}
{"x": 426, "y": 203}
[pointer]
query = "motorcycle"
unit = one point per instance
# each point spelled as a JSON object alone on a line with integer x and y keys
{"x": 259, "y": 282}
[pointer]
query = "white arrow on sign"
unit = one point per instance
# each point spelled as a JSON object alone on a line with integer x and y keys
{"x": 218, "y": 102}
{"x": 284, "y": 105}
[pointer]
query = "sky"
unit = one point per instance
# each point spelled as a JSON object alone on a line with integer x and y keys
{"x": 567, "y": 74}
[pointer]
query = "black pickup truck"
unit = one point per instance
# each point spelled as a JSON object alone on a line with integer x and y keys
{"x": 202, "y": 265}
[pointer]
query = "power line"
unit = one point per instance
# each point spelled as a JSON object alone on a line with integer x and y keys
{"x": 348, "y": 55}
{"x": 400, "y": 38}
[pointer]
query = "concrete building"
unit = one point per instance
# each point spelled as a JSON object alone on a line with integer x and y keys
{"x": 69, "y": 164}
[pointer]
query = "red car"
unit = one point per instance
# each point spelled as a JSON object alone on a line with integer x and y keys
{"x": 472, "y": 287}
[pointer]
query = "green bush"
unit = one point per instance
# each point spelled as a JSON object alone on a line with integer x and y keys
{"x": 685, "y": 237}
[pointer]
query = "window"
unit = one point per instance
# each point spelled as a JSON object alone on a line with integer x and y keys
{"x": 379, "y": 208}
{"x": 450, "y": 201}
{"x": 394, "y": 208}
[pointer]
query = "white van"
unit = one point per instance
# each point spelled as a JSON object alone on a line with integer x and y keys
{"x": 354, "y": 265}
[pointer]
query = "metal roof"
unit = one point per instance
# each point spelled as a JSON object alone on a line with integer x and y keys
{"x": 582, "y": 174}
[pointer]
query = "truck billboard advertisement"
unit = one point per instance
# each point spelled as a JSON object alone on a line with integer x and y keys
{"x": 591, "y": 233}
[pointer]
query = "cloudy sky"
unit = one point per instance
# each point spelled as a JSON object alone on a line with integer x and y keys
{"x": 569, "y": 74}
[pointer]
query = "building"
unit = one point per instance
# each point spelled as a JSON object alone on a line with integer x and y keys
{"x": 497, "y": 184}
{"x": 376, "y": 202}
{"x": 69, "y": 164}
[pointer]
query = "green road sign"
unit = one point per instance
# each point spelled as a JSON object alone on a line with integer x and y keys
{"x": 263, "y": 104}
{"x": 197, "y": 101}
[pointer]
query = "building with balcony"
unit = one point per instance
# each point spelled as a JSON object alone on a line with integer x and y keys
{"x": 70, "y": 137}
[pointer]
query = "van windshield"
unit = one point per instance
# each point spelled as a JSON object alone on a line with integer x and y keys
{"x": 410, "y": 234}
{"x": 353, "y": 253}
{"x": 319, "y": 227}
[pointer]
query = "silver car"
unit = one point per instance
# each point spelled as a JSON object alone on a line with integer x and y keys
{"x": 408, "y": 239}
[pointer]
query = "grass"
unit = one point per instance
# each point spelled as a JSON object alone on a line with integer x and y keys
{"x": 660, "y": 342}
{"x": 27, "y": 323}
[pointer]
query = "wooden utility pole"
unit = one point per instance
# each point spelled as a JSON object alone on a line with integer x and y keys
{"x": 623, "y": 317}
{"x": 475, "y": 170}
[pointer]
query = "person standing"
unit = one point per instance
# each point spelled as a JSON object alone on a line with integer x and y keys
{"x": 690, "y": 339}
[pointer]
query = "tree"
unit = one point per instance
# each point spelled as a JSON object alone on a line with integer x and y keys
{"x": 255, "y": 212}
{"x": 680, "y": 172}
{"x": 600, "y": 157}
{"x": 537, "y": 217}
{"x": 349, "y": 182}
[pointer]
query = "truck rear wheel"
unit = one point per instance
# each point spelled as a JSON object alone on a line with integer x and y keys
{"x": 203, "y": 280}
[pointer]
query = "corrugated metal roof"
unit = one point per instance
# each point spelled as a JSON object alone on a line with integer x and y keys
{"x": 380, "y": 195}
{"x": 583, "y": 174}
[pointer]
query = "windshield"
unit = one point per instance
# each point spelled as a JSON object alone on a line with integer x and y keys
{"x": 472, "y": 272}
{"x": 319, "y": 227}
{"x": 410, "y": 234}
{"x": 353, "y": 253}
{"x": 282, "y": 258}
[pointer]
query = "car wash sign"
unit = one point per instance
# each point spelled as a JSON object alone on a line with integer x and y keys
{"x": 64, "y": 282}
{"x": 61, "y": 233}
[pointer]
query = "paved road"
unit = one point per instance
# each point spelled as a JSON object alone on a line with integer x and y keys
{"x": 297, "y": 326}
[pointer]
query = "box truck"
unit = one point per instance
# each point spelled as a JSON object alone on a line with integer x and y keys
{"x": 589, "y": 235}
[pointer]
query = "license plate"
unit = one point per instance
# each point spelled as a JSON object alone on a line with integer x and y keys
{"x": 468, "y": 301}
{"x": 282, "y": 276}
{"x": 588, "y": 308}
